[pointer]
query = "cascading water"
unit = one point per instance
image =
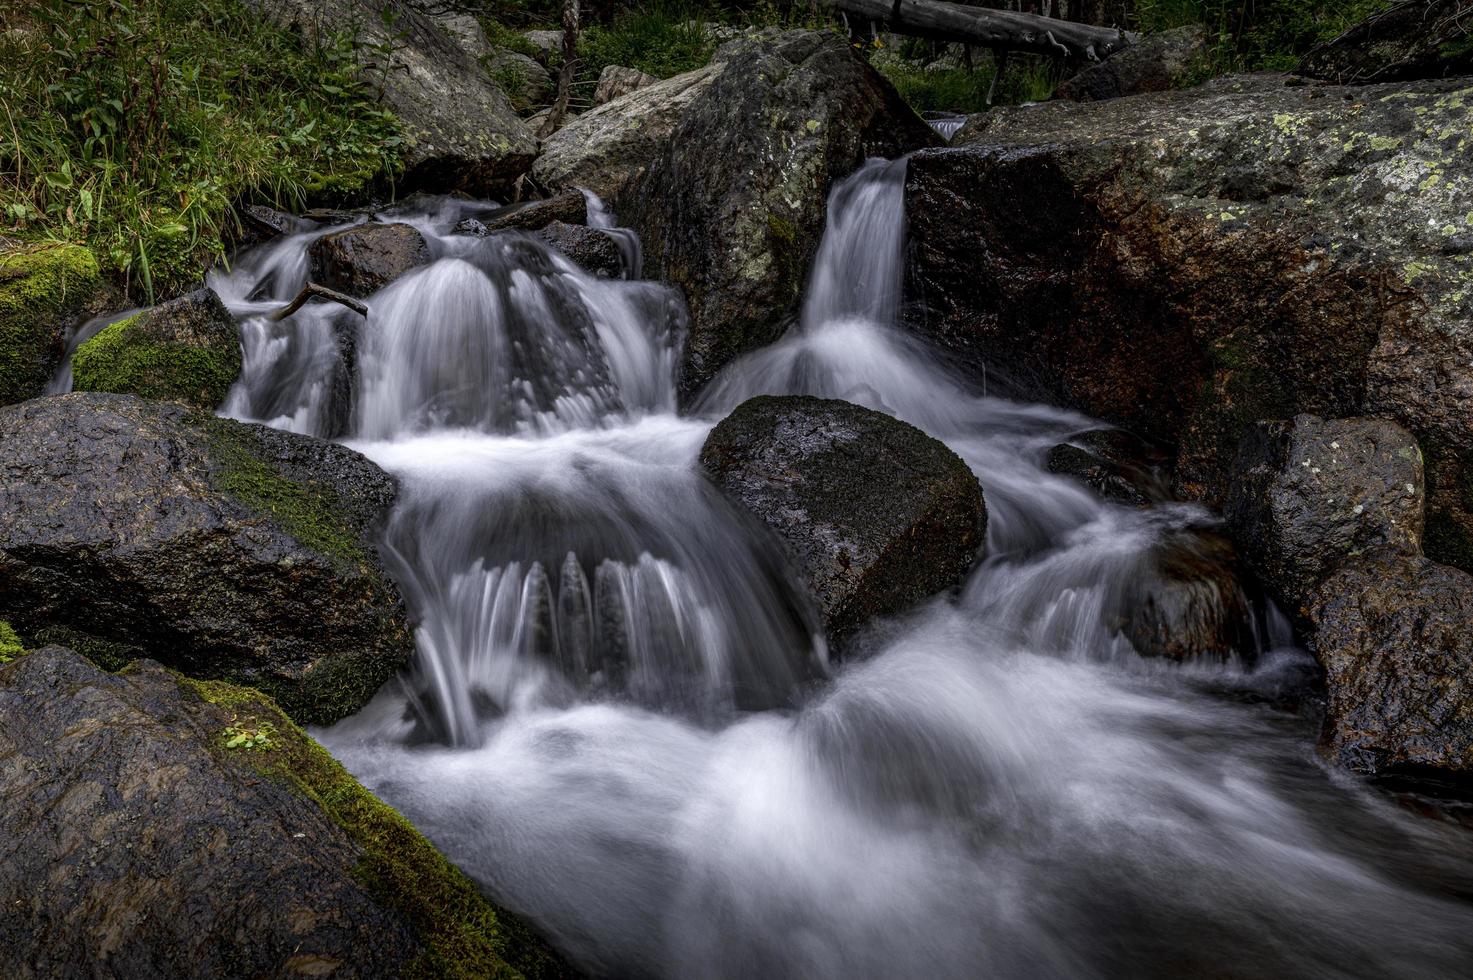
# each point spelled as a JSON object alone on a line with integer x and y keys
{"x": 1000, "y": 787}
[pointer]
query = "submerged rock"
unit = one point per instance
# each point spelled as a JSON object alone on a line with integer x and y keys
{"x": 616, "y": 80}
{"x": 44, "y": 293}
{"x": 226, "y": 550}
{"x": 1310, "y": 493}
{"x": 1394, "y": 633}
{"x": 733, "y": 207}
{"x": 876, "y": 514}
{"x": 165, "y": 828}
{"x": 593, "y": 250}
{"x": 464, "y": 132}
{"x": 365, "y": 258}
{"x": 1187, "y": 263}
{"x": 1155, "y": 63}
{"x": 186, "y": 350}
{"x": 1186, "y": 603}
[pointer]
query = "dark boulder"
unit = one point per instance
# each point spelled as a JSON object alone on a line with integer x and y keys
{"x": 44, "y": 294}
{"x": 732, "y": 207}
{"x": 1419, "y": 39}
{"x": 594, "y": 251}
{"x": 1394, "y": 633}
{"x": 1310, "y": 493}
{"x": 1184, "y": 264}
{"x": 365, "y": 258}
{"x": 186, "y": 350}
{"x": 158, "y": 827}
{"x": 1155, "y": 63}
{"x": 1186, "y": 602}
{"x": 876, "y": 514}
{"x": 569, "y": 206}
{"x": 1114, "y": 464}
{"x": 226, "y": 550}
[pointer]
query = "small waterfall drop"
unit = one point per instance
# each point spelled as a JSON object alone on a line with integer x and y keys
{"x": 622, "y": 722}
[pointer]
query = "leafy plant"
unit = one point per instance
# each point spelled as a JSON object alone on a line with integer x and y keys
{"x": 253, "y": 736}
{"x": 132, "y": 126}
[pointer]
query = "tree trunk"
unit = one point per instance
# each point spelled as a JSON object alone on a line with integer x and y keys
{"x": 1001, "y": 30}
{"x": 565, "y": 76}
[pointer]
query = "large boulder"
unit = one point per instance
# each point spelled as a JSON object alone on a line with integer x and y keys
{"x": 875, "y": 514}
{"x": 525, "y": 82}
{"x": 733, "y": 208}
{"x": 616, "y": 80}
{"x": 1267, "y": 247}
{"x": 465, "y": 134}
{"x": 1394, "y": 633}
{"x": 186, "y": 350}
{"x": 1155, "y": 63}
{"x": 226, "y": 550}
{"x": 610, "y": 146}
{"x": 1309, "y": 493}
{"x": 158, "y": 827}
{"x": 365, "y": 258}
{"x": 44, "y": 293}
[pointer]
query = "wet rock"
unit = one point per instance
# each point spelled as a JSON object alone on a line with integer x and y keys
{"x": 1427, "y": 39}
{"x": 465, "y": 134}
{"x": 157, "y": 827}
{"x": 569, "y": 206}
{"x": 1310, "y": 493}
{"x": 593, "y": 250}
{"x": 1394, "y": 633}
{"x": 1188, "y": 263}
{"x": 875, "y": 514}
{"x": 226, "y": 550}
{"x": 186, "y": 350}
{"x": 733, "y": 207}
{"x": 1186, "y": 603}
{"x": 616, "y": 80}
{"x": 1114, "y": 464}
{"x": 611, "y": 145}
{"x": 44, "y": 293}
{"x": 365, "y": 258}
{"x": 256, "y": 224}
{"x": 525, "y": 81}
{"x": 473, "y": 227}
{"x": 1155, "y": 63}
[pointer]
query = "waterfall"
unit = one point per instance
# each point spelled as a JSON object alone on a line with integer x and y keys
{"x": 623, "y": 722}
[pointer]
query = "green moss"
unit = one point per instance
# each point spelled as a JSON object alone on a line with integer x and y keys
{"x": 463, "y": 934}
{"x": 308, "y": 512}
{"x": 41, "y": 289}
{"x": 107, "y": 654}
{"x": 123, "y": 360}
{"x": 10, "y": 644}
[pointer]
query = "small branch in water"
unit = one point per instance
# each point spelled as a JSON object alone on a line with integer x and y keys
{"x": 321, "y": 292}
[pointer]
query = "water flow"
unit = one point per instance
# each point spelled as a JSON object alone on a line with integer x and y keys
{"x": 1001, "y": 785}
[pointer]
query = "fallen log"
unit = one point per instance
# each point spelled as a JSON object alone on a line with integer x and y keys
{"x": 321, "y": 292}
{"x": 1001, "y": 30}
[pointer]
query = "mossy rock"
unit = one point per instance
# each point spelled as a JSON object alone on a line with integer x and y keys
{"x": 186, "y": 350}
{"x": 226, "y": 550}
{"x": 228, "y": 843}
{"x": 43, "y": 293}
{"x": 10, "y": 644}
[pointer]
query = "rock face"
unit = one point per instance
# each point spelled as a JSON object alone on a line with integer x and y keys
{"x": 609, "y": 146}
{"x": 365, "y": 258}
{"x": 186, "y": 350}
{"x": 466, "y": 134}
{"x": 226, "y": 550}
{"x": 1310, "y": 493}
{"x": 1425, "y": 39}
{"x": 1156, "y": 63}
{"x": 615, "y": 81}
{"x": 733, "y": 208}
{"x": 43, "y": 294}
{"x": 139, "y": 843}
{"x": 593, "y": 250}
{"x": 1185, "y": 264}
{"x": 1394, "y": 633}
{"x": 876, "y": 514}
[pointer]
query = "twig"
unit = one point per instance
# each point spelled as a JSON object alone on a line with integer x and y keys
{"x": 321, "y": 292}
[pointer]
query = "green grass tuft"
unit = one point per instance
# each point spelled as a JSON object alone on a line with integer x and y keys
{"x": 10, "y": 644}
{"x": 1269, "y": 35}
{"x": 659, "y": 37}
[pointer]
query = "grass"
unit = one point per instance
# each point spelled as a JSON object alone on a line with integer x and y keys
{"x": 133, "y": 125}
{"x": 658, "y": 37}
{"x": 1258, "y": 35}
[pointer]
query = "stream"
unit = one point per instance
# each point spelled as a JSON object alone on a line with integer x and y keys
{"x": 624, "y": 722}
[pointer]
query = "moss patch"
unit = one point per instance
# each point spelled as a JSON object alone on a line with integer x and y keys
{"x": 10, "y": 644}
{"x": 108, "y": 654}
{"x": 463, "y": 934}
{"x": 123, "y": 360}
{"x": 41, "y": 291}
{"x": 308, "y": 512}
